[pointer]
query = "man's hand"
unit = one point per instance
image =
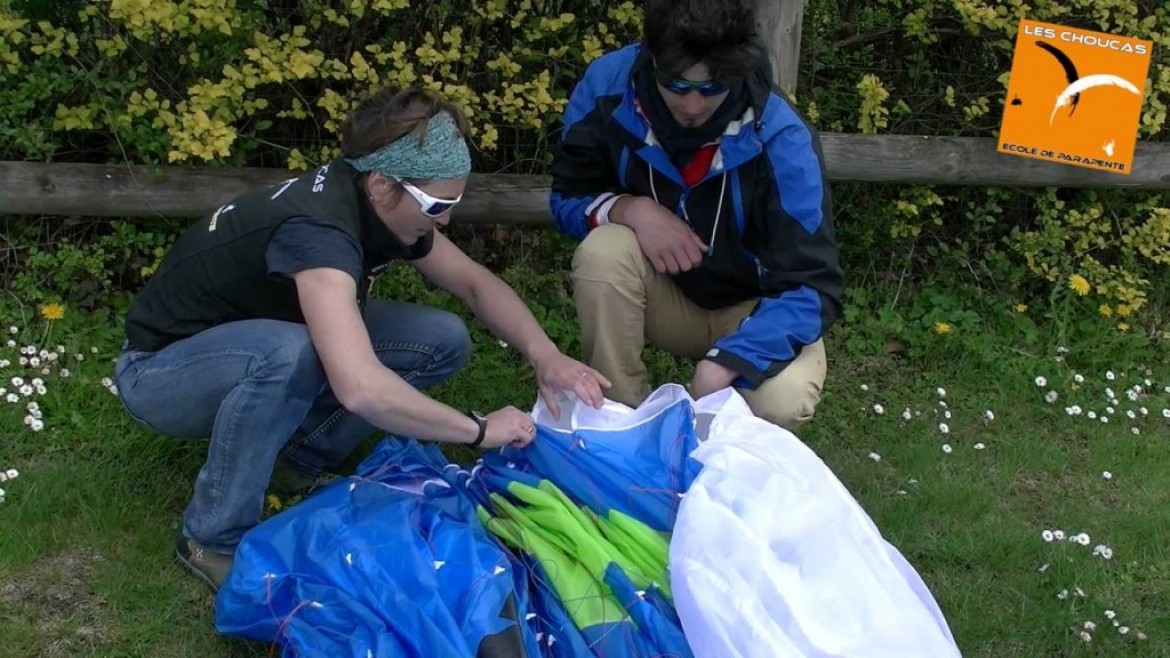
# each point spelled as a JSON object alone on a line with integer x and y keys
{"x": 508, "y": 426}
{"x": 556, "y": 372}
{"x": 710, "y": 377}
{"x": 666, "y": 240}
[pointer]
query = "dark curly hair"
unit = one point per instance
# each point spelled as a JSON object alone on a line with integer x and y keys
{"x": 720, "y": 33}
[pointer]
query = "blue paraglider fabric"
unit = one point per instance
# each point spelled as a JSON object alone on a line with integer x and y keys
{"x": 417, "y": 556}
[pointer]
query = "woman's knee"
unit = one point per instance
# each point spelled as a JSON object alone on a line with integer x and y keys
{"x": 452, "y": 341}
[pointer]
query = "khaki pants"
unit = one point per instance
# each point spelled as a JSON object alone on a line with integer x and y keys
{"x": 623, "y": 302}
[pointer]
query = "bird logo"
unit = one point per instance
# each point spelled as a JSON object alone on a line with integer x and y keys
{"x": 1071, "y": 95}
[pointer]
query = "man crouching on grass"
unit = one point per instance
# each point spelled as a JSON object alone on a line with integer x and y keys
{"x": 256, "y": 330}
{"x": 699, "y": 196}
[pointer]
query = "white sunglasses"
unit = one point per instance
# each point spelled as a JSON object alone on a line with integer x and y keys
{"x": 431, "y": 206}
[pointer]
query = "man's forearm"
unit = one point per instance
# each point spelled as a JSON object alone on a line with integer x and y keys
{"x": 626, "y": 210}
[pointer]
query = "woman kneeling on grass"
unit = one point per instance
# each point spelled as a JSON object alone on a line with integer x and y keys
{"x": 256, "y": 330}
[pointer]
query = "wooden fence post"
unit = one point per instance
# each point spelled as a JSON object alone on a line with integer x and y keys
{"x": 780, "y": 22}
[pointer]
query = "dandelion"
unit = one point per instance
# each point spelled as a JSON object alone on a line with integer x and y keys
{"x": 1092, "y": 415}
{"x": 947, "y": 415}
{"x": 942, "y": 328}
{"x": 1041, "y": 382}
{"x": 1131, "y": 414}
{"x": 1051, "y": 397}
{"x": 874, "y": 456}
{"x": 13, "y": 398}
{"x": 1107, "y": 475}
{"x": 1110, "y": 410}
{"x": 1058, "y": 535}
{"x": 52, "y": 312}
{"x": 64, "y": 372}
{"x": 37, "y": 425}
{"x": 1105, "y": 419}
{"x": 947, "y": 448}
{"x": 1047, "y": 536}
{"x": 1109, "y": 614}
{"x": 879, "y": 409}
{"x": 94, "y": 350}
{"x": 1079, "y": 378}
{"x": 13, "y": 330}
{"x": 1125, "y": 629}
{"x": 942, "y": 392}
{"x": 26, "y": 390}
{"x": 1090, "y": 626}
{"x": 1166, "y": 413}
{"x": 906, "y": 414}
{"x": 1075, "y": 410}
{"x": 988, "y": 415}
{"x": 1110, "y": 376}
{"x": 1136, "y": 431}
{"x": 1062, "y": 595}
{"x": 864, "y": 388}
{"x": 1080, "y": 538}
{"x": 979, "y": 446}
{"x": 1079, "y": 284}
{"x": 12, "y": 343}
{"x": 942, "y": 427}
{"x": 1086, "y": 636}
{"x": 4, "y": 363}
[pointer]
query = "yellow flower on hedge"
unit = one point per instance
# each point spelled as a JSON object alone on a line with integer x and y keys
{"x": 1105, "y": 310}
{"x": 1124, "y": 310}
{"x": 942, "y": 328}
{"x": 52, "y": 312}
{"x": 1122, "y": 327}
{"x": 1079, "y": 284}
{"x": 1021, "y": 308}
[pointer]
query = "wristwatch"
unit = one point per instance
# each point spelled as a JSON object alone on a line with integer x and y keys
{"x": 482, "y": 421}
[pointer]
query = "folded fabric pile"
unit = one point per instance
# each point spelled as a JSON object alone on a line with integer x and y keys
{"x": 677, "y": 529}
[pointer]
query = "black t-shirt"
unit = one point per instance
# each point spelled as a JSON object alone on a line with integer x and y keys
{"x": 235, "y": 263}
{"x": 304, "y": 243}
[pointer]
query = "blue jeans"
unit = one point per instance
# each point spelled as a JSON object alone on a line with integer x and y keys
{"x": 257, "y": 388}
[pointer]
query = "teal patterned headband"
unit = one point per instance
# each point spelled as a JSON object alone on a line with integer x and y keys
{"x": 441, "y": 154}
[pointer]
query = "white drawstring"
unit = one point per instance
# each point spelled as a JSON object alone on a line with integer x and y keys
{"x": 650, "y": 169}
{"x": 718, "y": 214}
{"x": 718, "y": 209}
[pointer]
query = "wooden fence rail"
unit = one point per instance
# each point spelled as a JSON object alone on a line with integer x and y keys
{"x": 92, "y": 190}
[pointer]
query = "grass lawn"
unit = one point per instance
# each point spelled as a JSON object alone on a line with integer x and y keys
{"x": 87, "y": 529}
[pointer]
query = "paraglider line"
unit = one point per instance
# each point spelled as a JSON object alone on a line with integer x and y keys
{"x": 284, "y": 623}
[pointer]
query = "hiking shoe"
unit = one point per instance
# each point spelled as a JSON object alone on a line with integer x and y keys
{"x": 288, "y": 481}
{"x": 210, "y": 567}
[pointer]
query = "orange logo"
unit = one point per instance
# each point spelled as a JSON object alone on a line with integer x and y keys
{"x": 1075, "y": 96}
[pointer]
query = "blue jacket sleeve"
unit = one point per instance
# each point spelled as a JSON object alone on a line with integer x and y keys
{"x": 584, "y": 178}
{"x": 799, "y": 261}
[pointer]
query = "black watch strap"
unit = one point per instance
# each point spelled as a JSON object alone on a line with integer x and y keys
{"x": 482, "y": 420}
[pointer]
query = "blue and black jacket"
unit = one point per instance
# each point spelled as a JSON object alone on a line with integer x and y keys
{"x": 763, "y": 208}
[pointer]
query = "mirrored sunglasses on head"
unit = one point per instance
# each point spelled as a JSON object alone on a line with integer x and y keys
{"x": 431, "y": 206}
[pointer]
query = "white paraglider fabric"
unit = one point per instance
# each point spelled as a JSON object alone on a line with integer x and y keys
{"x": 771, "y": 556}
